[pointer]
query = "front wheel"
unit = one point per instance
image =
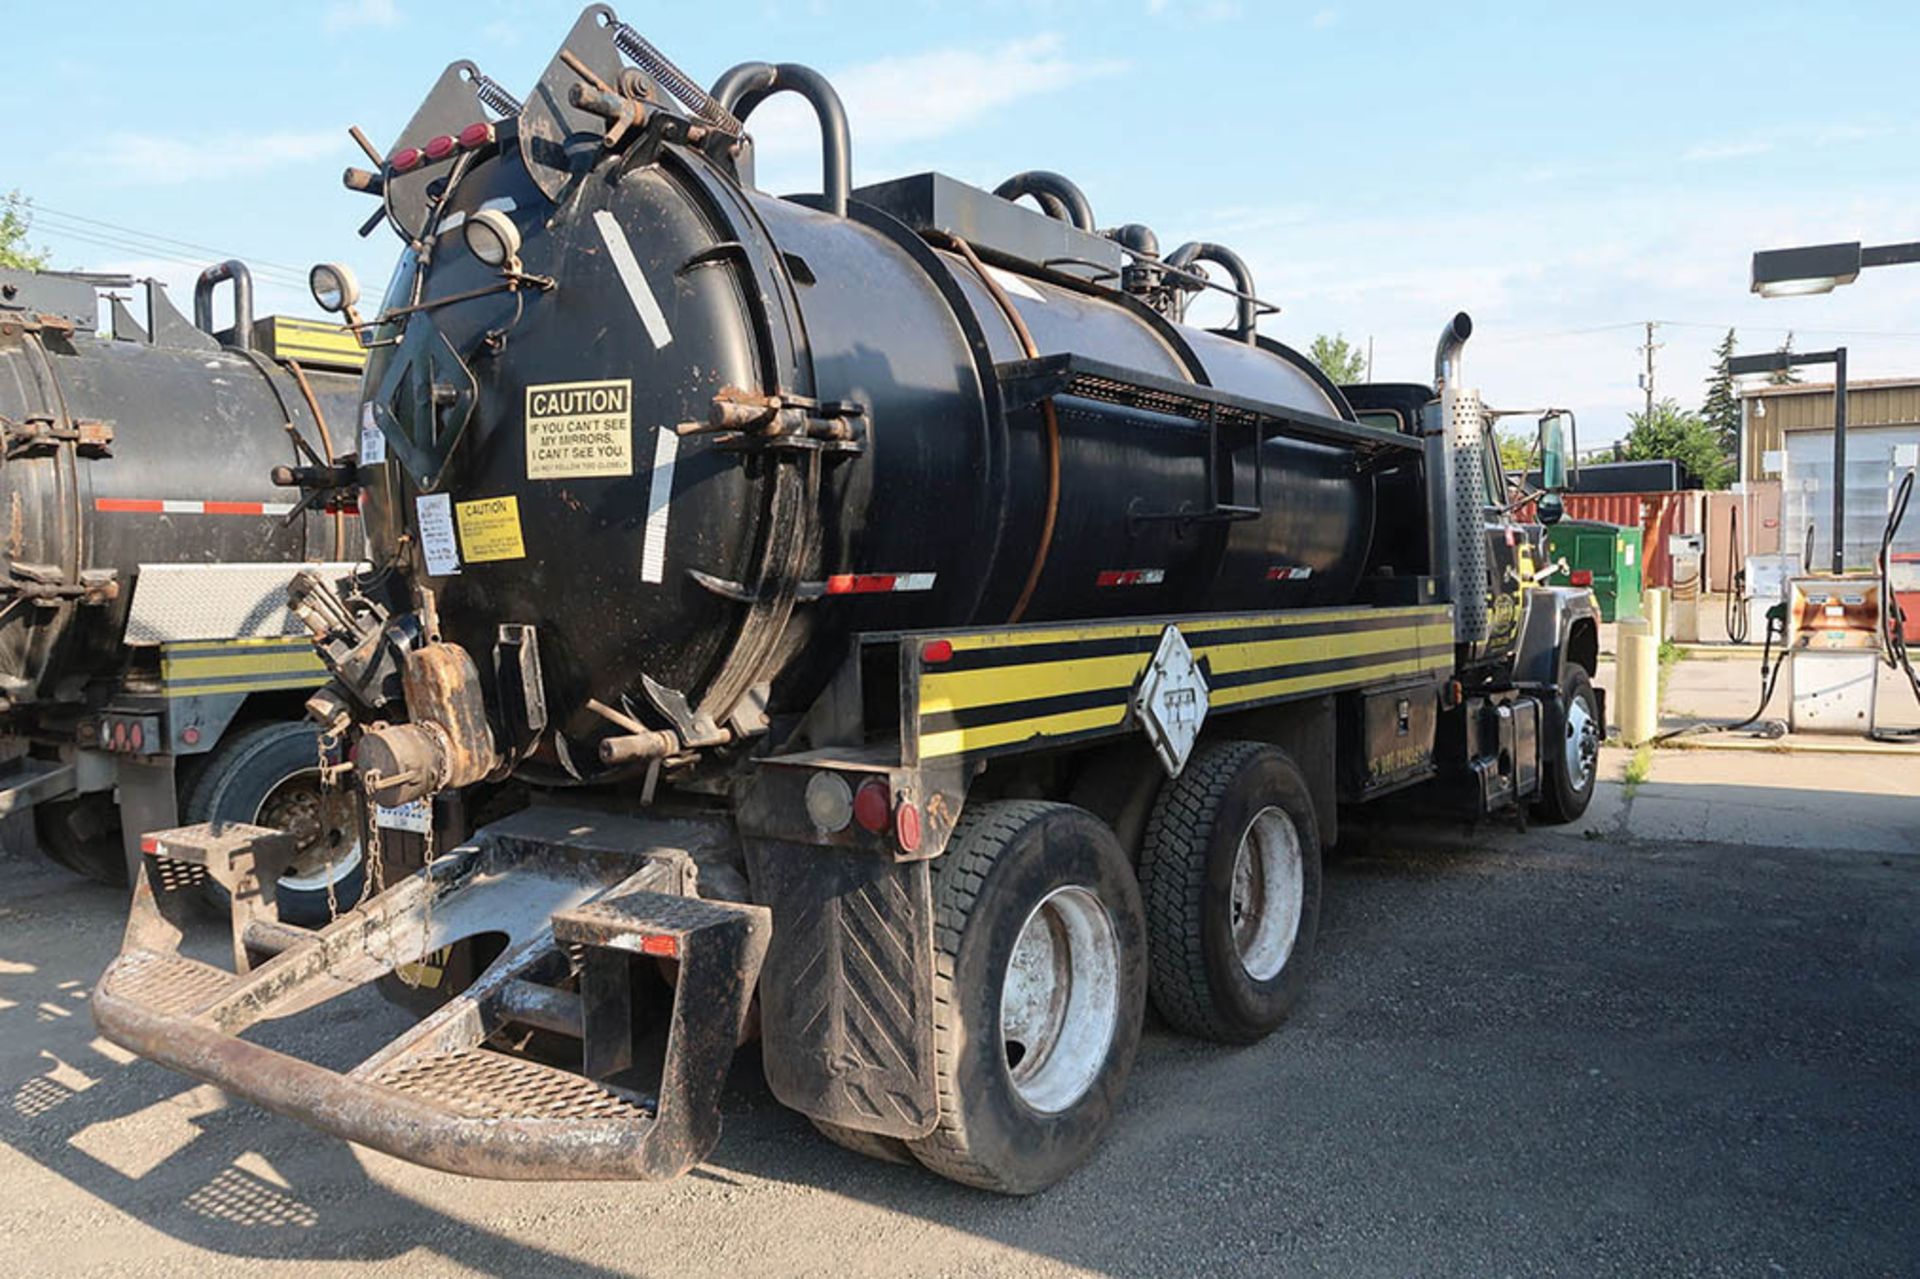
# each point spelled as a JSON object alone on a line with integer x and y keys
{"x": 1570, "y": 751}
{"x": 1039, "y": 988}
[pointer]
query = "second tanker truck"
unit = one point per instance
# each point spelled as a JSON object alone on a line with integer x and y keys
{"x": 924, "y": 649}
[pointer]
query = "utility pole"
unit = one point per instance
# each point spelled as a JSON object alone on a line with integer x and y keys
{"x": 1646, "y": 378}
{"x": 1369, "y": 357}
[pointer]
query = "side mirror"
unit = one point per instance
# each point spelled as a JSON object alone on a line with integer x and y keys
{"x": 1553, "y": 453}
{"x": 1550, "y": 508}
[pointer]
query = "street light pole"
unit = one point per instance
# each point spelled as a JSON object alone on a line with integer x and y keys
{"x": 1839, "y": 458}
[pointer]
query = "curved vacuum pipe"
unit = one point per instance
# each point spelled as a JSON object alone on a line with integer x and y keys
{"x": 1245, "y": 312}
{"x": 234, "y": 270}
{"x": 1057, "y": 195}
{"x": 746, "y": 86}
{"x": 1446, "y": 353}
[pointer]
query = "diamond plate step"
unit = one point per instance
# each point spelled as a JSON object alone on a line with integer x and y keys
{"x": 172, "y": 985}
{"x": 479, "y": 1084}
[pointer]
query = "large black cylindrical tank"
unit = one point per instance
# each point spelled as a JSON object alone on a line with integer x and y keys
{"x": 677, "y": 559}
{"x": 153, "y": 447}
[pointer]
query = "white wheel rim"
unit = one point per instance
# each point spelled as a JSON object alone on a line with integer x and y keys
{"x": 1060, "y": 1000}
{"x": 1583, "y": 743}
{"x": 1269, "y": 893}
{"x": 321, "y": 860}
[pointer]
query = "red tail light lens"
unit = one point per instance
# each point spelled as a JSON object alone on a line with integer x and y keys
{"x": 936, "y": 651}
{"x": 405, "y": 159}
{"x": 441, "y": 147}
{"x": 1581, "y": 577}
{"x": 873, "y": 805}
{"x": 475, "y": 136}
{"x": 661, "y": 947}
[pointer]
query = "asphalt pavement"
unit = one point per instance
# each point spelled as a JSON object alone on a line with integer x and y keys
{"x": 1566, "y": 1052}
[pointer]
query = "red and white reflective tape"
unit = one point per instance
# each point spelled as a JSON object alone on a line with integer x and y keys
{"x": 178, "y": 506}
{"x": 1131, "y": 577}
{"x": 878, "y": 583}
{"x": 1289, "y": 573}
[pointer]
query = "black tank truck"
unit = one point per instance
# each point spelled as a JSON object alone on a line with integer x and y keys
{"x": 149, "y": 669}
{"x": 925, "y": 650}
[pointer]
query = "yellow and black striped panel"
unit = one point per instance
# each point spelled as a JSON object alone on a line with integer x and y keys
{"x": 1049, "y": 685}
{"x": 313, "y": 342}
{"x": 239, "y": 666}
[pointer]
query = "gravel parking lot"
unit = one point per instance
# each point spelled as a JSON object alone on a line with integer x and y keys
{"x": 1523, "y": 1054}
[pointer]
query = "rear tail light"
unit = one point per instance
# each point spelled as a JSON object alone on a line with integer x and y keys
{"x": 873, "y": 806}
{"x": 1581, "y": 577}
{"x": 660, "y": 946}
{"x": 405, "y": 159}
{"x": 936, "y": 651}
{"x": 475, "y": 136}
{"x": 441, "y": 147}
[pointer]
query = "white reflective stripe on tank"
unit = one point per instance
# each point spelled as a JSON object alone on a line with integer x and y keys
{"x": 653, "y": 550}
{"x": 621, "y": 254}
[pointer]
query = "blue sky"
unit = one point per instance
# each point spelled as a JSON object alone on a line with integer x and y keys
{"x": 1563, "y": 172}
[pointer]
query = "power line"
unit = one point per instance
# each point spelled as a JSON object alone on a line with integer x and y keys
{"x": 100, "y": 234}
{"x": 251, "y": 259}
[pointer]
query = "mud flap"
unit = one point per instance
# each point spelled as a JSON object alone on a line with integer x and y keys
{"x": 846, "y": 1007}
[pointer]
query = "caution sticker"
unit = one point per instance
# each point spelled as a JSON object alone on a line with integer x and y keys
{"x": 579, "y": 429}
{"x": 490, "y": 529}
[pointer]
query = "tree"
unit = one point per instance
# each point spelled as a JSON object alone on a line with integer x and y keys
{"x": 1784, "y": 377}
{"x": 16, "y": 219}
{"x": 1721, "y": 408}
{"x": 1340, "y": 360}
{"x": 1672, "y": 433}
{"x": 1516, "y": 452}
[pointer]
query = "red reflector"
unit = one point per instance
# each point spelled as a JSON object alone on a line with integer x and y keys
{"x": 441, "y": 147}
{"x": 871, "y": 805}
{"x": 191, "y": 736}
{"x": 404, "y": 159}
{"x": 664, "y": 947}
{"x": 937, "y": 651}
{"x": 148, "y": 844}
{"x": 859, "y": 583}
{"x": 1581, "y": 577}
{"x": 906, "y": 823}
{"x": 137, "y": 736}
{"x": 475, "y": 136}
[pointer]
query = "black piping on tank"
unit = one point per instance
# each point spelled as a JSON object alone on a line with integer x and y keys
{"x": 1245, "y": 307}
{"x": 1058, "y": 196}
{"x": 746, "y": 86}
{"x": 1446, "y": 352}
{"x": 242, "y": 300}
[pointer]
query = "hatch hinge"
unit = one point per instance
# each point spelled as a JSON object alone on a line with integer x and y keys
{"x": 753, "y": 420}
{"x": 41, "y": 431}
{"x": 46, "y": 585}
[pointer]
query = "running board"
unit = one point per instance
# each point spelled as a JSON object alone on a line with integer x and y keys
{"x": 581, "y": 897}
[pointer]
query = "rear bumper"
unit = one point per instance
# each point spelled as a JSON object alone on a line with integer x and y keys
{"x": 579, "y": 921}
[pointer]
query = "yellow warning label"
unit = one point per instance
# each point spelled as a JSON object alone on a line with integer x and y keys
{"x": 490, "y": 529}
{"x": 579, "y": 429}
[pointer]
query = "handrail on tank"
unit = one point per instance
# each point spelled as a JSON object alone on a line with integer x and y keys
{"x": 746, "y": 86}
{"x": 1059, "y": 197}
{"x": 1446, "y": 352}
{"x": 236, "y": 271}
{"x": 1245, "y": 306}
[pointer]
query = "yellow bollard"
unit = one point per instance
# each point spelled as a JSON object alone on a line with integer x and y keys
{"x": 1657, "y": 608}
{"x": 1637, "y": 682}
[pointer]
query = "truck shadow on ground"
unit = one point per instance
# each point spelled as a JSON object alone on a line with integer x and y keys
{"x": 1513, "y": 1048}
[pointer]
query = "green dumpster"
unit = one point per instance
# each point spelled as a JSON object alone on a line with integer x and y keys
{"x": 1606, "y": 557}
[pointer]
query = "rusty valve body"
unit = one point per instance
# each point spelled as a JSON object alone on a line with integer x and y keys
{"x": 448, "y": 743}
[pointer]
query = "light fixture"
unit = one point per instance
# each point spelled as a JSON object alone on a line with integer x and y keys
{"x": 1812, "y": 268}
{"x": 493, "y": 238}
{"x": 334, "y": 288}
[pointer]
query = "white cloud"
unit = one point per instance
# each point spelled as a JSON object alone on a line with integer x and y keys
{"x": 914, "y": 98}
{"x": 147, "y": 159}
{"x": 348, "y": 15}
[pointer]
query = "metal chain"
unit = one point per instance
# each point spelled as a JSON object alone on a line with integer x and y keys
{"x": 328, "y": 739}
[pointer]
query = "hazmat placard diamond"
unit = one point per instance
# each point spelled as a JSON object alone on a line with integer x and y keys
{"x": 1171, "y": 702}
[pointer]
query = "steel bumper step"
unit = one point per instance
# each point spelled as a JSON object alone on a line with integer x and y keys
{"x": 440, "y": 1095}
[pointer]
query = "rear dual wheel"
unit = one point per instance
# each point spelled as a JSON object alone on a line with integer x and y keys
{"x": 1039, "y": 987}
{"x": 1230, "y": 874}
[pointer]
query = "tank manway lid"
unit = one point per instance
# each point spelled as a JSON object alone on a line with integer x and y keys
{"x": 998, "y": 228}
{"x": 177, "y": 602}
